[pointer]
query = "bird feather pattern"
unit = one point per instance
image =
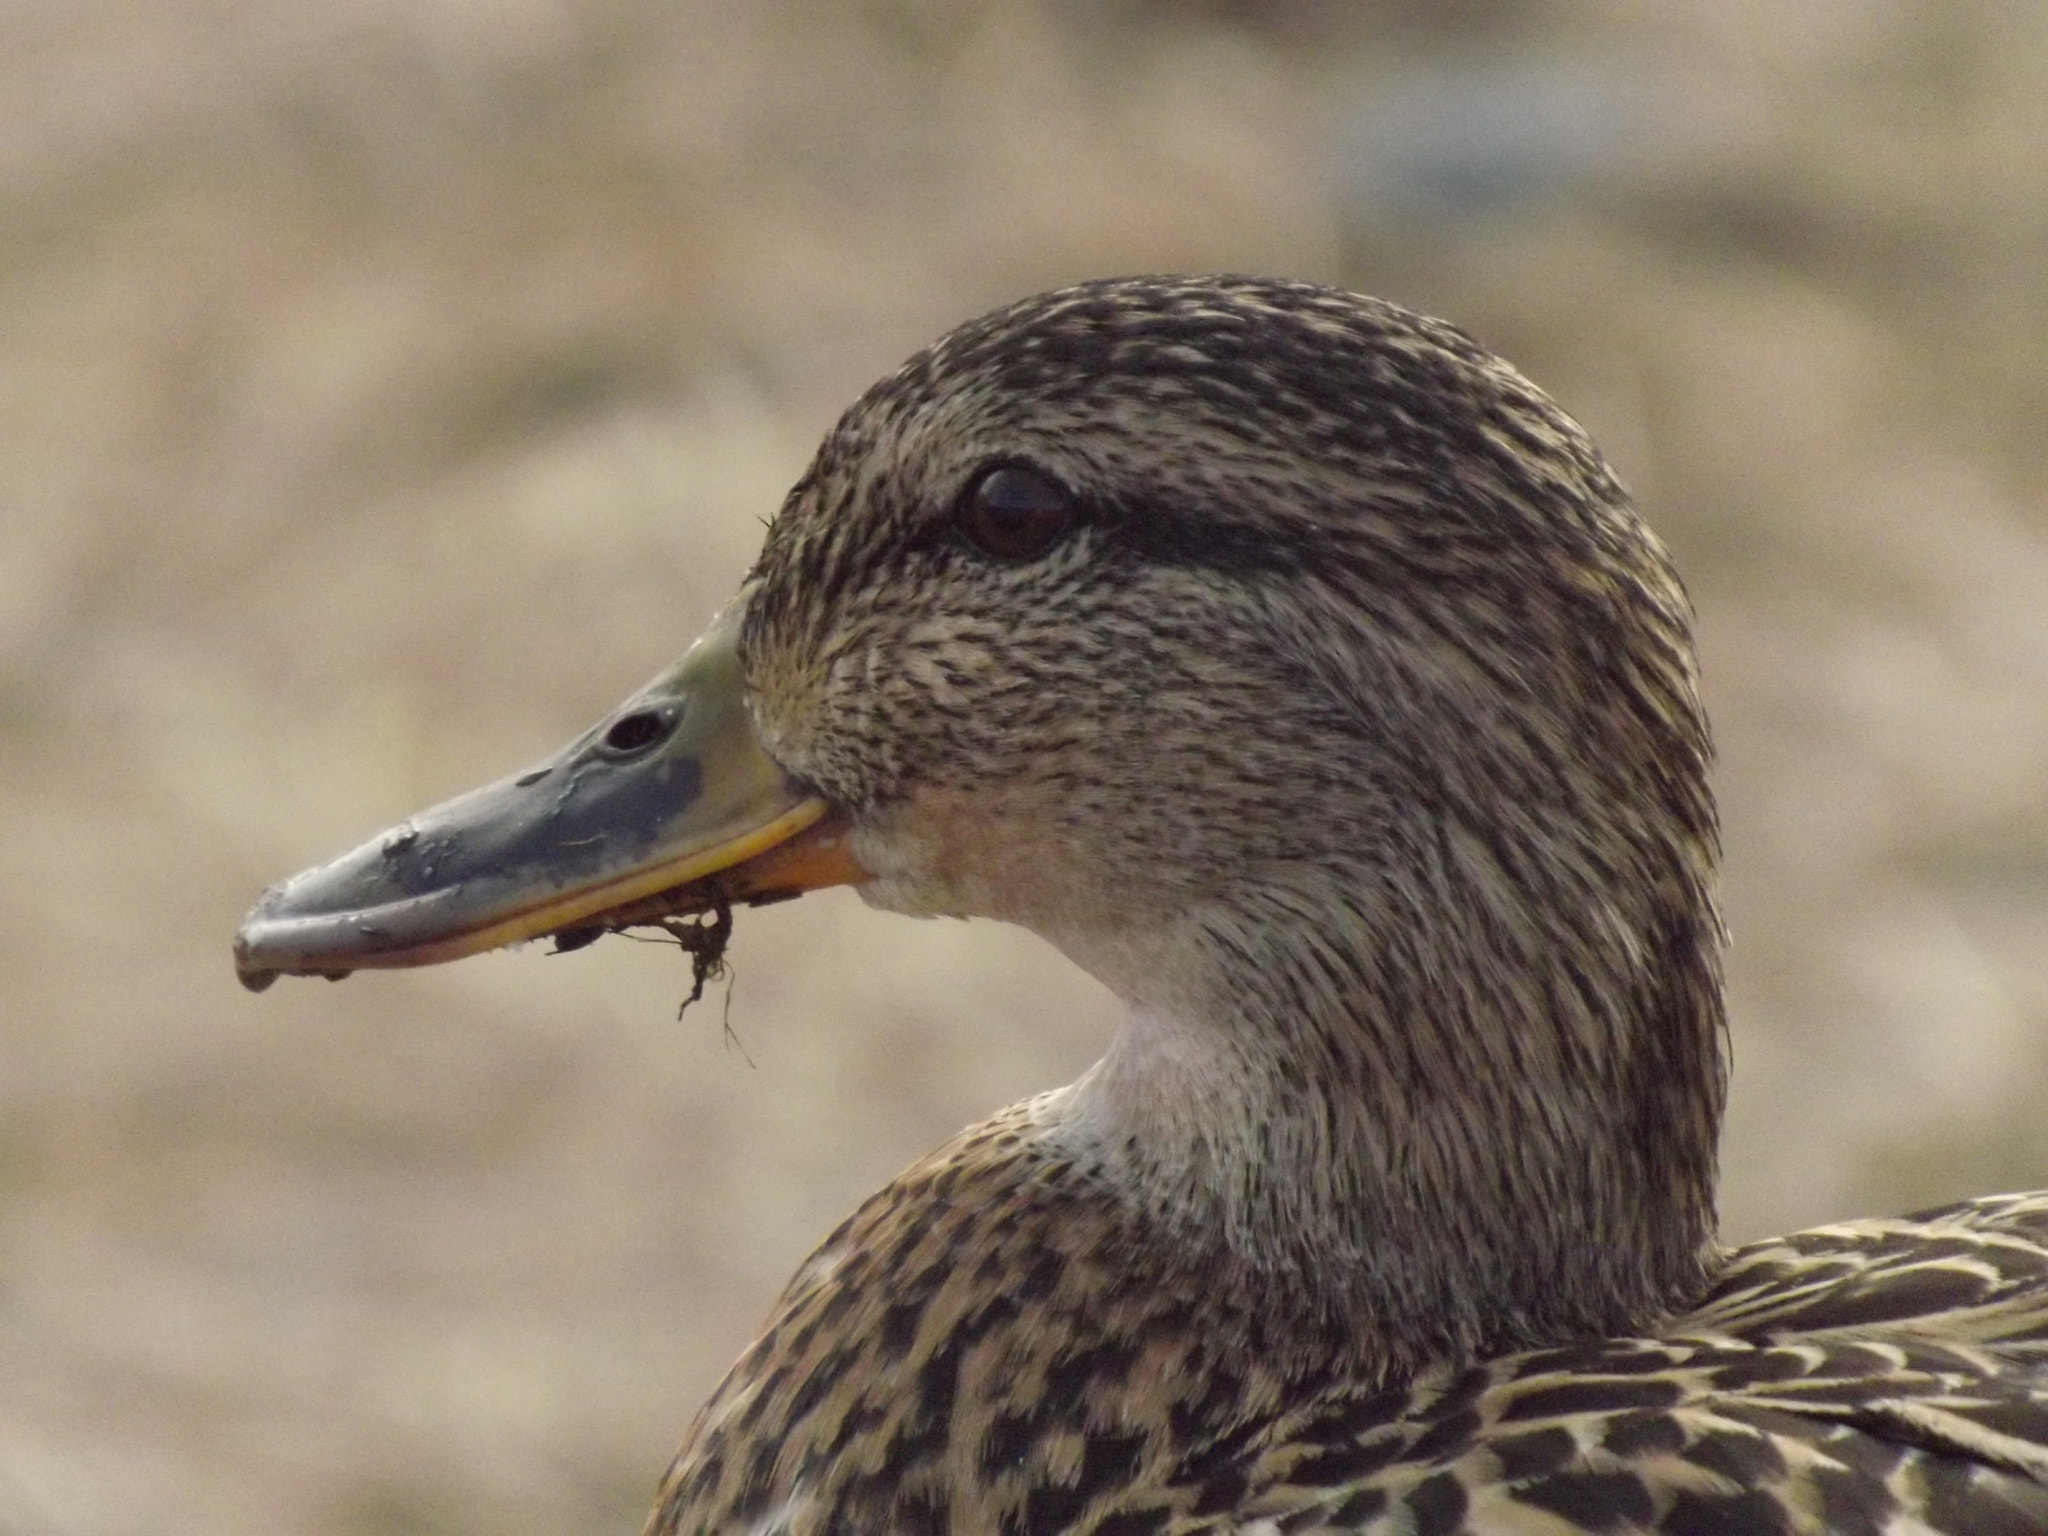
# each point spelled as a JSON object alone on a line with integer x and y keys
{"x": 1296, "y": 667}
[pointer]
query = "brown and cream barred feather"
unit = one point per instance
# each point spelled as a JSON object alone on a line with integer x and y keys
{"x": 980, "y": 1349}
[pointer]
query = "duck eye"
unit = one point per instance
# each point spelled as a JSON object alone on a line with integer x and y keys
{"x": 1013, "y": 513}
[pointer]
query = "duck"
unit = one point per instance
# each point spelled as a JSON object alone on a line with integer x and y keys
{"x": 1301, "y": 671}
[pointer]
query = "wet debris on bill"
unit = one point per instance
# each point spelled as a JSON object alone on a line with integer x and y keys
{"x": 704, "y": 935}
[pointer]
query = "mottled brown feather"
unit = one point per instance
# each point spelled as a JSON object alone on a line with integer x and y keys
{"x": 1351, "y": 735}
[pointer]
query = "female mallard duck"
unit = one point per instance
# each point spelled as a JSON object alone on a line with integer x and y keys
{"x": 1300, "y": 670}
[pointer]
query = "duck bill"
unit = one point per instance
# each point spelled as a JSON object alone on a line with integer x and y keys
{"x": 668, "y": 806}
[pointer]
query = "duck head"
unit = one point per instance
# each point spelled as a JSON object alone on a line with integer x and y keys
{"x": 1297, "y": 668}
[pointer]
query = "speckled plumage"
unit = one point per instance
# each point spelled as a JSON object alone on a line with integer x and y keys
{"x": 1351, "y": 737}
{"x": 1084, "y": 1391}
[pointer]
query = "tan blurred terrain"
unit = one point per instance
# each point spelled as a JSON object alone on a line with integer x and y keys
{"x": 387, "y": 389}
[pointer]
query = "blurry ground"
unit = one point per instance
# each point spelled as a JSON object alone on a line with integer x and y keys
{"x": 386, "y": 389}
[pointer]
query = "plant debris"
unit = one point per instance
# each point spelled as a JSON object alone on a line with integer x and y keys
{"x": 706, "y": 938}
{"x": 568, "y": 940}
{"x": 705, "y": 935}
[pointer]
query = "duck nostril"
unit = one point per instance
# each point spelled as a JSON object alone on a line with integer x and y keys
{"x": 640, "y": 730}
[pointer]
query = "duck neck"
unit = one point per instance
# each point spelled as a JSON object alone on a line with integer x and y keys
{"x": 1430, "y": 1154}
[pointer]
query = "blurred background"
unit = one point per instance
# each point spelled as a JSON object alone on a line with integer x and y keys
{"x": 387, "y": 387}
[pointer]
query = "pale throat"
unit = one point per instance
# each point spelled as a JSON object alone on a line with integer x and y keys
{"x": 1305, "y": 1098}
{"x": 1195, "y": 1114}
{"x": 1268, "y": 1125}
